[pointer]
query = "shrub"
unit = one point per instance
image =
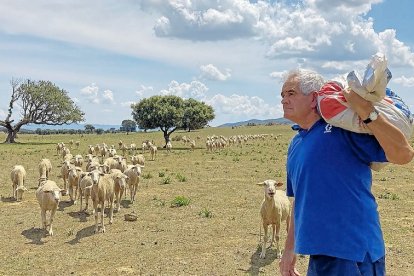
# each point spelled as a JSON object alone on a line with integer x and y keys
{"x": 181, "y": 178}
{"x": 205, "y": 213}
{"x": 166, "y": 180}
{"x": 161, "y": 174}
{"x": 147, "y": 175}
{"x": 180, "y": 201}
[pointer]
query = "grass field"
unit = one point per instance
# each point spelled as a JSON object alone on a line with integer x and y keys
{"x": 217, "y": 233}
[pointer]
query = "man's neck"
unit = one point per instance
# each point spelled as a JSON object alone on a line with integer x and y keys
{"x": 308, "y": 122}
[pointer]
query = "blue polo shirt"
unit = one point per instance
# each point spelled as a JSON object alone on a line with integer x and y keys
{"x": 328, "y": 173}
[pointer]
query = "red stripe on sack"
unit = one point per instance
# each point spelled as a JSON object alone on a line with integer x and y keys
{"x": 330, "y": 88}
{"x": 330, "y": 107}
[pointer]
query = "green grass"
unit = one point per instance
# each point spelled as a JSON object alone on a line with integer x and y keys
{"x": 180, "y": 201}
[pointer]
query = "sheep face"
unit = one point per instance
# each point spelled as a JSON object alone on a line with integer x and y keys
{"x": 20, "y": 190}
{"x": 95, "y": 175}
{"x": 270, "y": 187}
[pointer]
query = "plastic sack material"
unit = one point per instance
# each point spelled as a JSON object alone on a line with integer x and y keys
{"x": 335, "y": 110}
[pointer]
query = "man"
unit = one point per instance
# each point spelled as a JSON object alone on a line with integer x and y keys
{"x": 334, "y": 217}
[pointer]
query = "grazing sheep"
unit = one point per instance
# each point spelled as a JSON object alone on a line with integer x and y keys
{"x": 45, "y": 167}
{"x": 18, "y": 177}
{"x": 168, "y": 146}
{"x": 120, "y": 185}
{"x": 274, "y": 210}
{"x": 192, "y": 144}
{"x": 77, "y": 144}
{"x": 48, "y": 195}
{"x": 120, "y": 144}
{"x": 153, "y": 150}
{"x": 133, "y": 172}
{"x": 64, "y": 170}
{"x": 138, "y": 159}
{"x": 73, "y": 180}
{"x": 85, "y": 187}
{"x": 102, "y": 190}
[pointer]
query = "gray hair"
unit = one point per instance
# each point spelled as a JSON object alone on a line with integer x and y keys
{"x": 309, "y": 81}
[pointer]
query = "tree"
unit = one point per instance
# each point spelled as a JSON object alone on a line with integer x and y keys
{"x": 166, "y": 113}
{"x": 40, "y": 102}
{"x": 128, "y": 125}
{"x": 196, "y": 114}
{"x": 89, "y": 128}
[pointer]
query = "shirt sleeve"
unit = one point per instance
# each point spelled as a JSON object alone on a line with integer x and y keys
{"x": 366, "y": 147}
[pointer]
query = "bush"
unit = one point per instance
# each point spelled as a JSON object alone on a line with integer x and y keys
{"x": 180, "y": 201}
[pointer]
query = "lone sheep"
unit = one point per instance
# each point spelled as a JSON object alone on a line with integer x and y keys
{"x": 18, "y": 177}
{"x": 48, "y": 195}
{"x": 274, "y": 210}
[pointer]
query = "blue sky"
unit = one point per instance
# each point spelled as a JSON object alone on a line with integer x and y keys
{"x": 230, "y": 54}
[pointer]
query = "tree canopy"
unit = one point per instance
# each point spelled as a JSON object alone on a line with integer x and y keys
{"x": 128, "y": 125}
{"x": 170, "y": 113}
{"x": 40, "y": 102}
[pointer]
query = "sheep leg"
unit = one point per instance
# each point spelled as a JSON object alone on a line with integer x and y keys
{"x": 76, "y": 193}
{"x": 43, "y": 216}
{"x": 95, "y": 207}
{"x": 263, "y": 254}
{"x": 15, "y": 191}
{"x": 80, "y": 199}
{"x": 133, "y": 192}
{"x": 111, "y": 211}
{"x": 277, "y": 237}
{"x": 52, "y": 215}
{"x": 102, "y": 216}
{"x": 273, "y": 235}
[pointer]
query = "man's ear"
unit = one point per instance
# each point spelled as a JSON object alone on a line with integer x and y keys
{"x": 314, "y": 99}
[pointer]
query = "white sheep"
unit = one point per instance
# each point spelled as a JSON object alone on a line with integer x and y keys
{"x": 103, "y": 189}
{"x": 48, "y": 195}
{"x": 153, "y": 150}
{"x": 78, "y": 160}
{"x": 64, "y": 170}
{"x": 18, "y": 177}
{"x": 274, "y": 210}
{"x": 85, "y": 187}
{"x": 138, "y": 159}
{"x": 120, "y": 186}
{"x": 168, "y": 146}
{"x": 73, "y": 181}
{"x": 45, "y": 167}
{"x": 133, "y": 172}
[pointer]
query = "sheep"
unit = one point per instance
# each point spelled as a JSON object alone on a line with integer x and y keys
{"x": 48, "y": 195}
{"x": 153, "y": 150}
{"x": 168, "y": 146}
{"x": 274, "y": 210}
{"x": 18, "y": 177}
{"x": 45, "y": 167}
{"x": 102, "y": 190}
{"x": 121, "y": 164}
{"x": 138, "y": 159}
{"x": 73, "y": 180}
{"x": 192, "y": 144}
{"x": 66, "y": 165}
{"x": 133, "y": 172}
{"x": 120, "y": 144}
{"x": 77, "y": 143}
{"x": 120, "y": 185}
{"x": 85, "y": 186}
{"x": 78, "y": 160}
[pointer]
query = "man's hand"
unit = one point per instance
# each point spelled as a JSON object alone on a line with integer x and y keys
{"x": 358, "y": 104}
{"x": 287, "y": 264}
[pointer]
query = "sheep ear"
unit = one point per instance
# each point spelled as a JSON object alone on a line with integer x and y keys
{"x": 260, "y": 184}
{"x": 278, "y": 184}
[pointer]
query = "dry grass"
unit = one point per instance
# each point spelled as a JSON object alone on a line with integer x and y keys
{"x": 217, "y": 233}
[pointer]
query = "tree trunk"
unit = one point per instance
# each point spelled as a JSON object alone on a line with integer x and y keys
{"x": 11, "y": 136}
{"x": 166, "y": 137}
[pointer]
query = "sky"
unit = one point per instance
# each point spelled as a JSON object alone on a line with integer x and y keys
{"x": 230, "y": 54}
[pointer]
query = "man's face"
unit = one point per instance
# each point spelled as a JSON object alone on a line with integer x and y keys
{"x": 296, "y": 106}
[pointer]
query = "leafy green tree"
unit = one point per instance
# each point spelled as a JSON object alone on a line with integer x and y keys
{"x": 196, "y": 114}
{"x": 89, "y": 128}
{"x": 40, "y": 102}
{"x": 168, "y": 114}
{"x": 129, "y": 125}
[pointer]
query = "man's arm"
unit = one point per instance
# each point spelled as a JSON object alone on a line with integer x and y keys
{"x": 396, "y": 147}
{"x": 287, "y": 263}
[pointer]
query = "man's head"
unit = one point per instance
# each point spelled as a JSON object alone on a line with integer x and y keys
{"x": 299, "y": 96}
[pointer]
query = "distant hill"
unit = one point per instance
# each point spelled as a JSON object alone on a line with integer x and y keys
{"x": 70, "y": 126}
{"x": 279, "y": 121}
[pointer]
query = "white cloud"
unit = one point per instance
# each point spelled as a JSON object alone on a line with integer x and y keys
{"x": 404, "y": 81}
{"x": 196, "y": 90}
{"x": 144, "y": 90}
{"x": 211, "y": 72}
{"x": 91, "y": 93}
{"x": 243, "y": 106}
{"x": 127, "y": 104}
{"x": 278, "y": 75}
{"x": 108, "y": 97}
